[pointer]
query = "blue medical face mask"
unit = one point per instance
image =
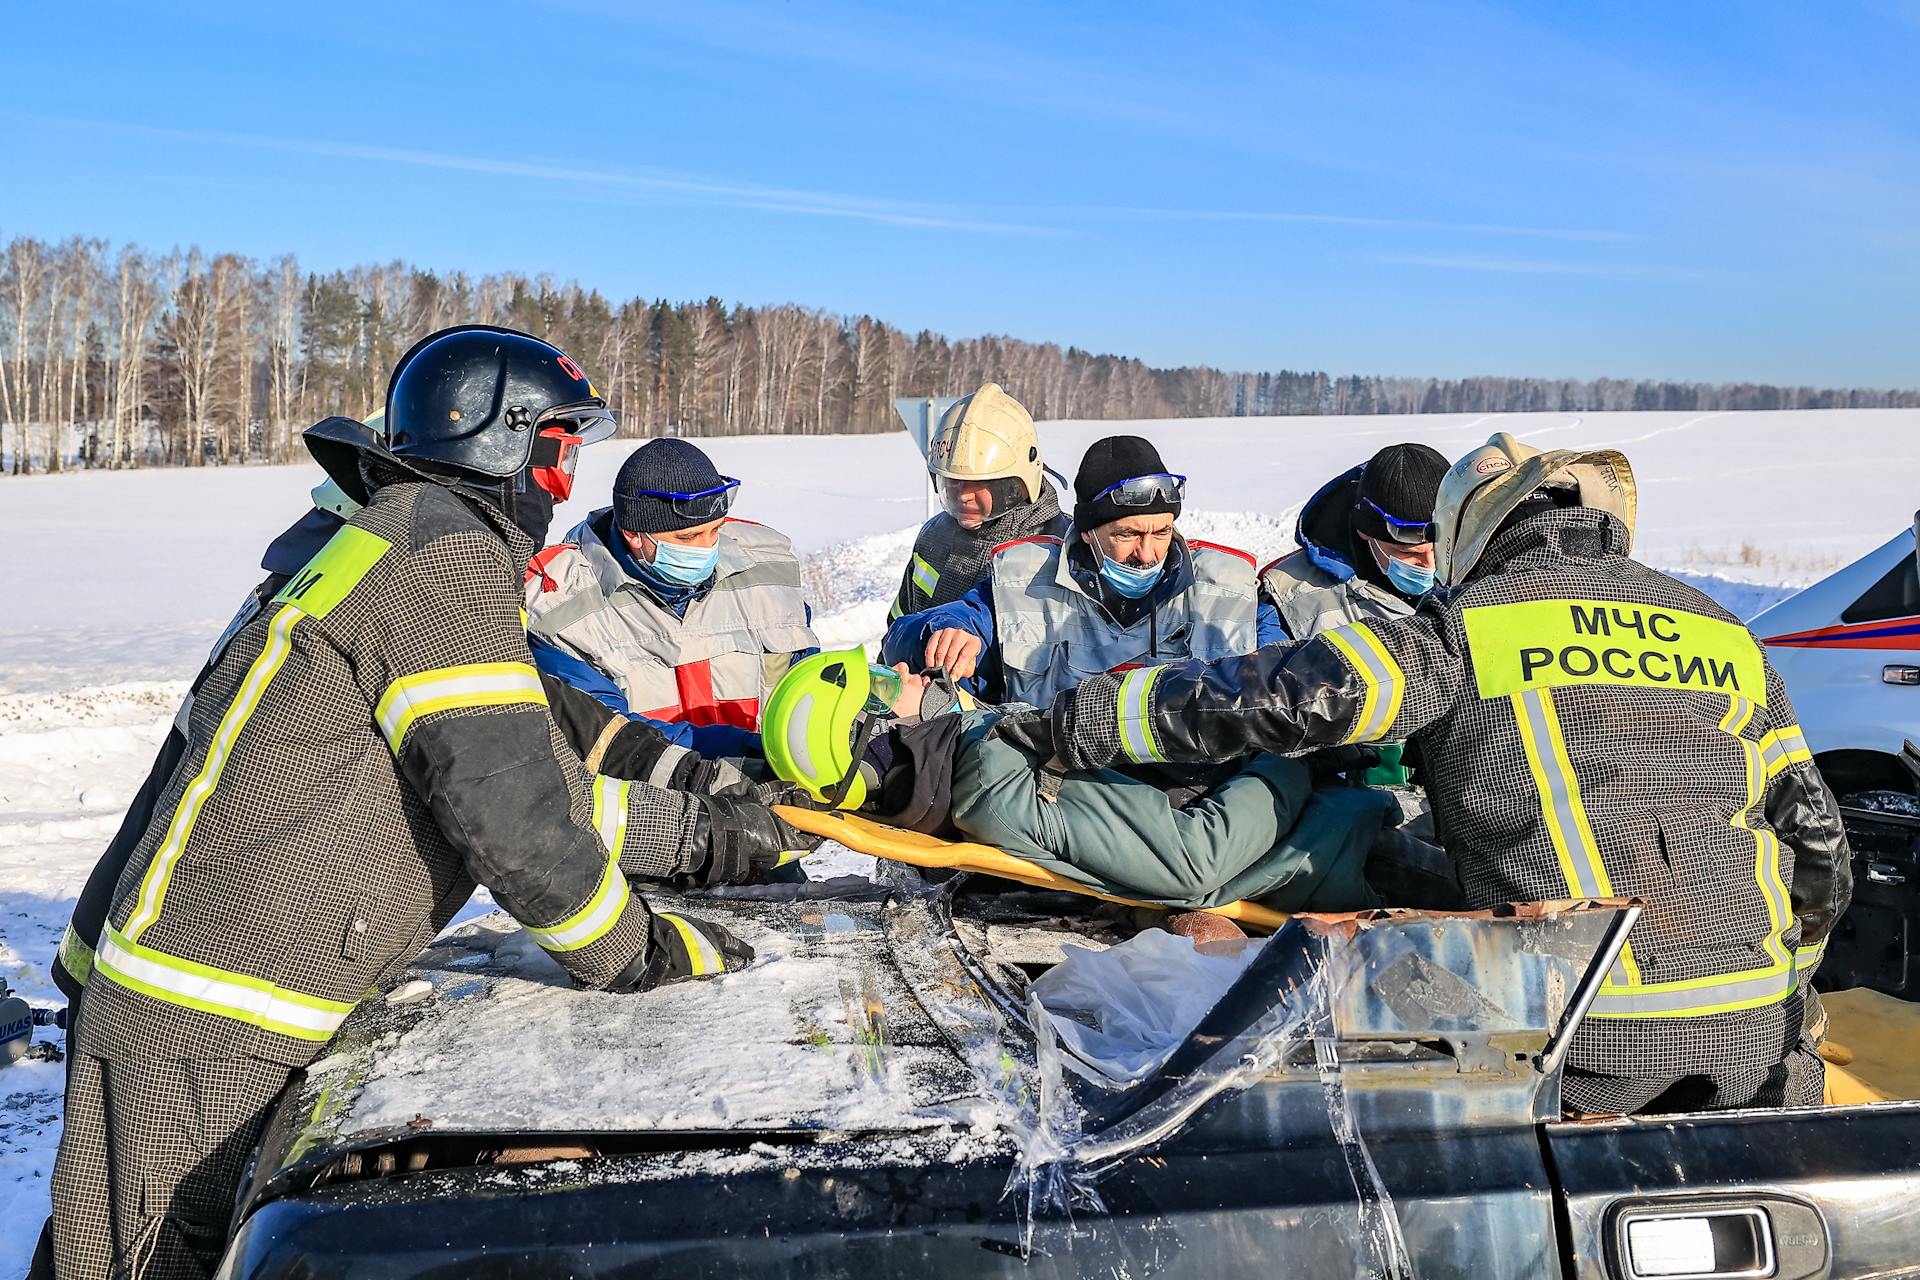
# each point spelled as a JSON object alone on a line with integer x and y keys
{"x": 1128, "y": 580}
{"x": 687, "y": 566}
{"x": 1408, "y": 579}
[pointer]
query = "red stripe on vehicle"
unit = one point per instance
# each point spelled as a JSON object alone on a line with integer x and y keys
{"x": 1895, "y": 633}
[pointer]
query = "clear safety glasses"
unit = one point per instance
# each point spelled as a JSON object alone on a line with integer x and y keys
{"x": 1409, "y": 532}
{"x": 1142, "y": 491}
{"x": 705, "y": 504}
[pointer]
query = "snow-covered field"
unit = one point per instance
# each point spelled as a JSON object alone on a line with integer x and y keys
{"x": 122, "y": 580}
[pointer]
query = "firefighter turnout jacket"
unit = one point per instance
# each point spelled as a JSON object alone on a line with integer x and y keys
{"x": 712, "y": 664}
{"x": 1590, "y": 728}
{"x": 369, "y": 741}
{"x": 950, "y": 560}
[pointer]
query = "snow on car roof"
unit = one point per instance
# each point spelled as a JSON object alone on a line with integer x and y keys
{"x": 824, "y": 1031}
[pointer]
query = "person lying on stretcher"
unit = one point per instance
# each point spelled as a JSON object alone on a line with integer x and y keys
{"x": 913, "y": 752}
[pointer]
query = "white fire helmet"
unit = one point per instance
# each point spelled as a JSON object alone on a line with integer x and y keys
{"x": 987, "y": 436}
{"x": 1483, "y": 488}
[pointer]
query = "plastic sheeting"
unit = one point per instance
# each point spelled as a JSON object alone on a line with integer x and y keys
{"x": 1124, "y": 1009}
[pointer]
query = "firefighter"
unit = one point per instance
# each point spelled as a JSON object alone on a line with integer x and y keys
{"x": 1366, "y": 544}
{"x": 367, "y": 743}
{"x": 1119, "y": 588}
{"x": 663, "y": 607}
{"x": 1590, "y": 728}
{"x": 984, "y": 461}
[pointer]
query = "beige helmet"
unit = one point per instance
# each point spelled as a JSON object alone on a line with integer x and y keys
{"x": 1483, "y": 488}
{"x": 987, "y": 436}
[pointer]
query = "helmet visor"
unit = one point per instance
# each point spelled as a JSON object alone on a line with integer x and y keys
{"x": 591, "y": 421}
{"x": 1144, "y": 491}
{"x": 1406, "y": 532}
{"x": 706, "y": 504}
{"x": 974, "y": 502}
{"x": 556, "y": 457}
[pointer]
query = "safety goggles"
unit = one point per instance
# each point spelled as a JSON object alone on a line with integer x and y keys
{"x": 703, "y": 504}
{"x": 1144, "y": 491}
{"x": 884, "y": 687}
{"x": 1407, "y": 532}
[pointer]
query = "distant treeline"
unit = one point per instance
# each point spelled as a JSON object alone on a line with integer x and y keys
{"x": 127, "y": 357}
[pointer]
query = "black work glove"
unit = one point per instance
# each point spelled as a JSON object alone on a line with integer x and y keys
{"x": 1028, "y": 730}
{"x": 715, "y": 778}
{"x": 1342, "y": 764}
{"x": 787, "y": 793}
{"x": 681, "y": 947}
{"x": 742, "y": 838}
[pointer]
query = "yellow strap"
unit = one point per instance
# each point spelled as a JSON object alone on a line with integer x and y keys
{"x": 863, "y": 835}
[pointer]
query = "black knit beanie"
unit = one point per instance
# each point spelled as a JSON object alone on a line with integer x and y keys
{"x": 1403, "y": 480}
{"x": 666, "y": 465}
{"x": 1107, "y": 462}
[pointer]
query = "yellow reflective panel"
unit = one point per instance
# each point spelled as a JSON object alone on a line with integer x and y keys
{"x": 1546, "y": 644}
{"x": 335, "y": 571}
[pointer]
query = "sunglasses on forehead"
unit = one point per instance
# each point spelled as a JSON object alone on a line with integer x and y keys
{"x": 1409, "y": 532}
{"x": 1141, "y": 491}
{"x": 702, "y": 504}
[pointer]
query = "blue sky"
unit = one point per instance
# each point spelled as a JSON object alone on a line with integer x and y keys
{"x": 1722, "y": 191}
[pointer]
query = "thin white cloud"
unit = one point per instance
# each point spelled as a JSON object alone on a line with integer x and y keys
{"x": 1000, "y": 220}
{"x": 743, "y": 195}
{"x": 1533, "y": 267}
{"x": 1585, "y": 234}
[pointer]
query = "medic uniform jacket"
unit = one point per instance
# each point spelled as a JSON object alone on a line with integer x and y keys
{"x": 370, "y": 741}
{"x": 1046, "y": 628}
{"x": 711, "y": 666}
{"x": 1317, "y": 587}
{"x": 1591, "y": 728}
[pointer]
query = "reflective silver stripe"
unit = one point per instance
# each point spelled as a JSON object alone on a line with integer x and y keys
{"x": 610, "y": 799}
{"x": 1384, "y": 681}
{"x": 591, "y": 922}
{"x": 701, "y": 956}
{"x": 1556, "y": 799}
{"x": 153, "y": 885}
{"x": 1697, "y": 998}
{"x": 925, "y": 576}
{"x": 1136, "y": 715}
{"x": 1809, "y": 955}
{"x": 1783, "y": 748}
{"x": 661, "y": 775}
{"x": 481, "y": 684}
{"x": 217, "y": 991}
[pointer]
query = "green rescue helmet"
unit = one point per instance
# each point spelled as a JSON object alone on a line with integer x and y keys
{"x": 815, "y": 723}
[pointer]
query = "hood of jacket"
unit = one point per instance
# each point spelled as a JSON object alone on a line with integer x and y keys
{"x": 1325, "y": 528}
